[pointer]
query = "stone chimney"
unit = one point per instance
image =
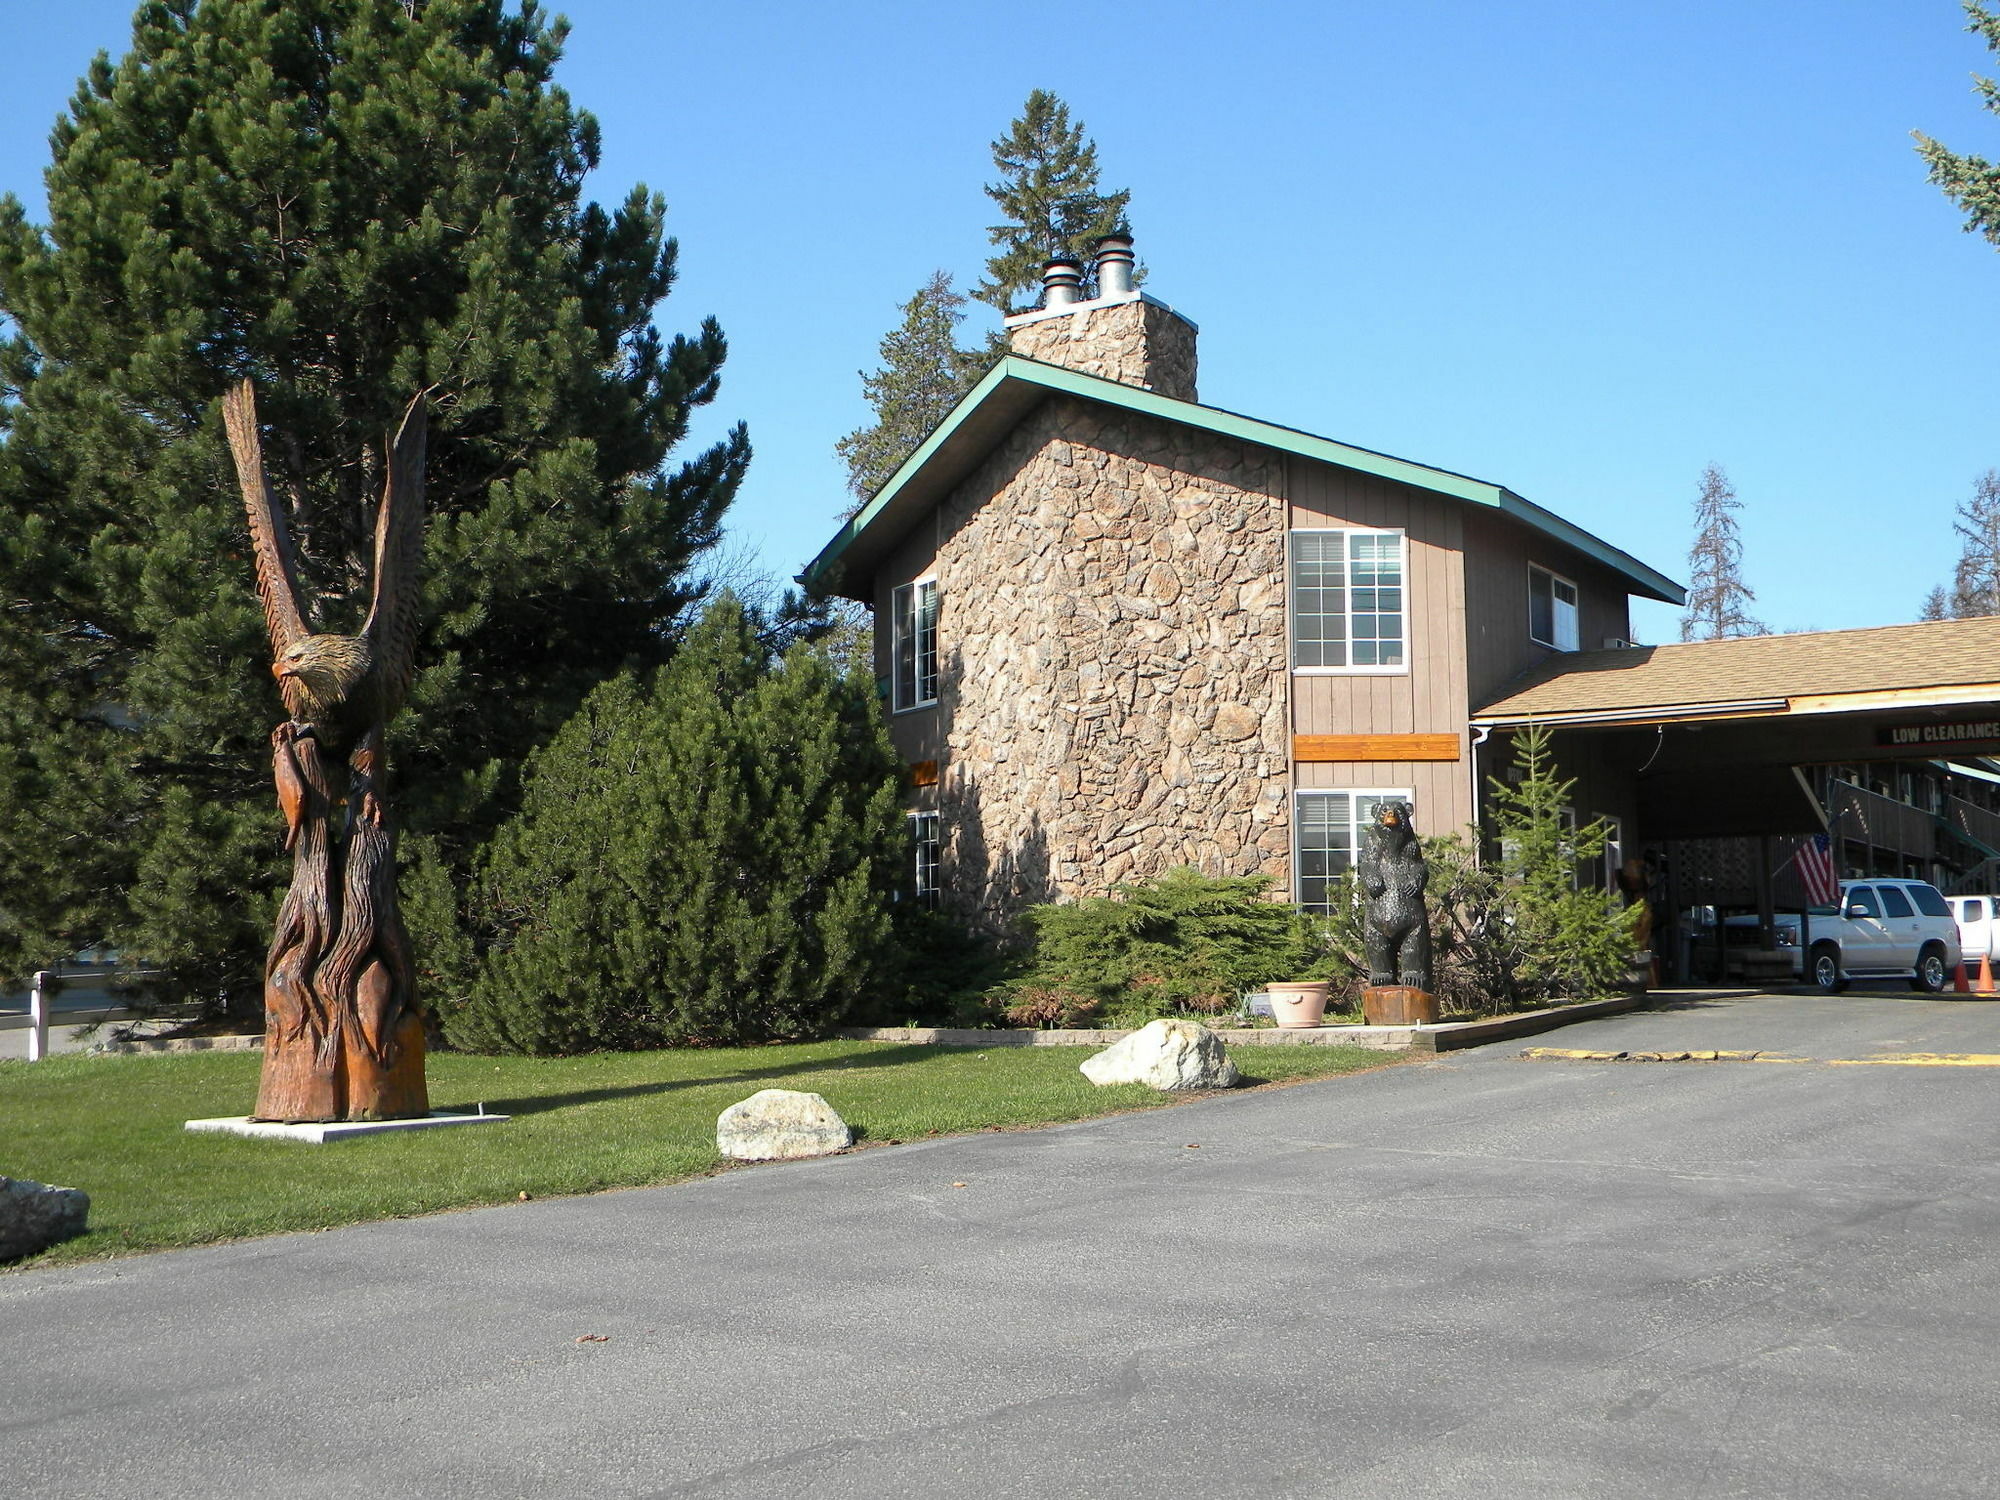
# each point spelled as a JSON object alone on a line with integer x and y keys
{"x": 1120, "y": 334}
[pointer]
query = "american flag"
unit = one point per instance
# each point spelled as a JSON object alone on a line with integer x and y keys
{"x": 1815, "y": 862}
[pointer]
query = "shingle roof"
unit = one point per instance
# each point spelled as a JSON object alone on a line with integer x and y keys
{"x": 1015, "y": 385}
{"x": 1778, "y": 669}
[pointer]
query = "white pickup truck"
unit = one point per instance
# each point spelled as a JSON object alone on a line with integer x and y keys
{"x": 1882, "y": 927}
{"x": 1978, "y": 927}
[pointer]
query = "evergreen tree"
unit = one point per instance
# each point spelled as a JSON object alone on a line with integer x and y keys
{"x": 1972, "y": 181}
{"x": 707, "y": 856}
{"x": 347, "y": 201}
{"x": 1048, "y": 190}
{"x": 1539, "y": 932}
{"x": 1975, "y": 579}
{"x": 1716, "y": 591}
{"x": 923, "y": 374}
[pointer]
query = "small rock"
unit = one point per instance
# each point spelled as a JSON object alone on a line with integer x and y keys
{"x": 779, "y": 1125}
{"x": 1165, "y": 1055}
{"x": 34, "y": 1216}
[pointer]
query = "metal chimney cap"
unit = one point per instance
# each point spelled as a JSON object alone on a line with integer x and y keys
{"x": 1114, "y": 265}
{"x": 1062, "y": 282}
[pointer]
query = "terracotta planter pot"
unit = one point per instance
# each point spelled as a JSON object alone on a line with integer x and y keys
{"x": 1300, "y": 1004}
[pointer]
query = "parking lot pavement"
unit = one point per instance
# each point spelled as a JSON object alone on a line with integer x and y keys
{"x": 1470, "y": 1276}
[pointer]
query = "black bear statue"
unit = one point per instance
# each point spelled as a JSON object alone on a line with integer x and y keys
{"x": 1393, "y": 876}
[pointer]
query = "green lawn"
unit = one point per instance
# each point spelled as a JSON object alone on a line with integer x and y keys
{"x": 112, "y": 1126}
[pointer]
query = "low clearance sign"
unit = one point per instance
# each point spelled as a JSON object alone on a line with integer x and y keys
{"x": 1964, "y": 732}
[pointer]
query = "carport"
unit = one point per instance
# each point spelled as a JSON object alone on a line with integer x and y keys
{"x": 1720, "y": 760}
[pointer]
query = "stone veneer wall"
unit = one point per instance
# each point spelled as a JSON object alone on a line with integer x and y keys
{"x": 1112, "y": 622}
{"x": 1135, "y": 342}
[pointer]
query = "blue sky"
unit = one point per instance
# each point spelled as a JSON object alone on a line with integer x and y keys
{"x": 1580, "y": 250}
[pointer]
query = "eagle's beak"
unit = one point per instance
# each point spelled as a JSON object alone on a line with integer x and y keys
{"x": 280, "y": 671}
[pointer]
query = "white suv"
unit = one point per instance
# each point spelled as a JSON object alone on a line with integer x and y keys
{"x": 1885, "y": 927}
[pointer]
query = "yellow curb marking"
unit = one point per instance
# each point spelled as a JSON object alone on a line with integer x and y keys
{"x": 1897, "y": 1060}
{"x": 1567, "y": 1054}
{"x": 1921, "y": 1060}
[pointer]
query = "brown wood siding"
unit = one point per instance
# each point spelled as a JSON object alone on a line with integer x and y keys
{"x": 1499, "y": 552}
{"x": 1430, "y": 698}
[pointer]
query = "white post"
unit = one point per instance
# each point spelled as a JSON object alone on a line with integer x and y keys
{"x": 38, "y": 1016}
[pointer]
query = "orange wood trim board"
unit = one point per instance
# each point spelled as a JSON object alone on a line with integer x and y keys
{"x": 923, "y": 773}
{"x": 1375, "y": 747}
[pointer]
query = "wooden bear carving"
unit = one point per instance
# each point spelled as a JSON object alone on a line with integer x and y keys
{"x": 1393, "y": 876}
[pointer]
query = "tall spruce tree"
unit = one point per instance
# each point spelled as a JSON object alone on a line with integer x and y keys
{"x": 346, "y": 201}
{"x": 704, "y": 856}
{"x": 1972, "y": 181}
{"x": 1048, "y": 189}
{"x": 923, "y": 374}
{"x": 1716, "y": 590}
{"x": 1975, "y": 578}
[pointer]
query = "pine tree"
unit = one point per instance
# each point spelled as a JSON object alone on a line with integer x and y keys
{"x": 1049, "y": 192}
{"x": 707, "y": 856}
{"x": 1975, "y": 580}
{"x": 1716, "y": 590}
{"x": 347, "y": 201}
{"x": 923, "y": 374}
{"x": 1972, "y": 181}
{"x": 1548, "y": 934}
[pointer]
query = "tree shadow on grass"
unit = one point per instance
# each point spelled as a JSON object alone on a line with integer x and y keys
{"x": 536, "y": 1104}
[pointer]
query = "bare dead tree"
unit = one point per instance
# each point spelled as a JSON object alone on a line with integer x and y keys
{"x": 1717, "y": 593}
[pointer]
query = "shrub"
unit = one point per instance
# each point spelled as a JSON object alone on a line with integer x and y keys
{"x": 706, "y": 857}
{"x": 1047, "y": 1006}
{"x": 939, "y": 972}
{"x": 1181, "y": 943}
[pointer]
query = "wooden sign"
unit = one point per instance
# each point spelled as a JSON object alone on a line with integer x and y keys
{"x": 1329, "y": 747}
{"x": 923, "y": 773}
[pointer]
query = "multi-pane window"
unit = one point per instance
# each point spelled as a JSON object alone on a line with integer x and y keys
{"x": 925, "y": 837}
{"x": 1329, "y": 828}
{"x": 1347, "y": 601}
{"x": 1551, "y": 610}
{"x": 914, "y": 614}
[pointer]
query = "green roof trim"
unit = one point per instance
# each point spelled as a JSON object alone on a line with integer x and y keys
{"x": 1014, "y": 386}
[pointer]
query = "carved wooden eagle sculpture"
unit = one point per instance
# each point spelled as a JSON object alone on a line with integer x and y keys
{"x": 340, "y": 688}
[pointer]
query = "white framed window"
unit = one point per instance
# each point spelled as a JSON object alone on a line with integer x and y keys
{"x": 1551, "y": 610}
{"x": 1614, "y": 851}
{"x": 925, "y": 838}
{"x": 914, "y": 644}
{"x": 1347, "y": 601}
{"x": 1327, "y": 829}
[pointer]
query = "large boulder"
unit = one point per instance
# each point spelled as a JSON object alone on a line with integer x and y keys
{"x": 1165, "y": 1055}
{"x": 779, "y": 1124}
{"x": 34, "y": 1216}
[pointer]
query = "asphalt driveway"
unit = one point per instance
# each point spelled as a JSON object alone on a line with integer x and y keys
{"x": 1478, "y": 1275}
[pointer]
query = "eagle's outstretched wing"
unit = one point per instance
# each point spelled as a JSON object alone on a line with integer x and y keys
{"x": 391, "y": 628}
{"x": 277, "y": 572}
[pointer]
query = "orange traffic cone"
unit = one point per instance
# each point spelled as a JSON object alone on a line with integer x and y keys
{"x": 1985, "y": 975}
{"x": 1958, "y": 984}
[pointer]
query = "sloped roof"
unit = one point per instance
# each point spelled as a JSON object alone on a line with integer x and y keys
{"x": 1015, "y": 386}
{"x": 1942, "y": 662}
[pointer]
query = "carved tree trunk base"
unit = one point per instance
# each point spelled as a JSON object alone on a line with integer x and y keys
{"x": 343, "y": 1034}
{"x": 348, "y": 1084}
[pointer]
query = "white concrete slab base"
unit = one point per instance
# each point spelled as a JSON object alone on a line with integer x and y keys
{"x": 317, "y": 1133}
